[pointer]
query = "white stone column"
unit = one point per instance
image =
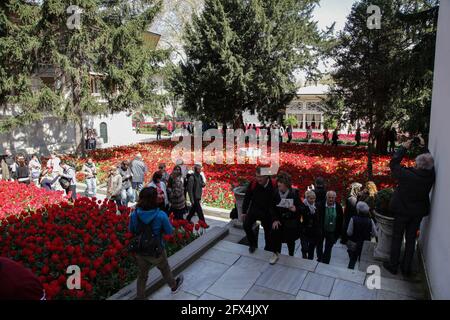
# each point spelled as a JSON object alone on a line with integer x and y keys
{"x": 435, "y": 235}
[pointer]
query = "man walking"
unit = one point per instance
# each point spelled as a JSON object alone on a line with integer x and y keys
{"x": 90, "y": 172}
{"x": 259, "y": 204}
{"x": 335, "y": 137}
{"x": 126, "y": 194}
{"x": 331, "y": 218}
{"x": 158, "y": 132}
{"x": 138, "y": 169}
{"x": 196, "y": 183}
{"x": 409, "y": 204}
{"x": 289, "y": 131}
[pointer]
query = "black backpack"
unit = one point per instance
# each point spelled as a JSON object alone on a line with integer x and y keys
{"x": 145, "y": 243}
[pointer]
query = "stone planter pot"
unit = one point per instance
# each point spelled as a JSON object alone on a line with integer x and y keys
{"x": 239, "y": 194}
{"x": 385, "y": 229}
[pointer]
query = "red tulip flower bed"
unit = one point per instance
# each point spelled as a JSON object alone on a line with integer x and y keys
{"x": 88, "y": 234}
{"x": 340, "y": 166}
{"x": 16, "y": 198}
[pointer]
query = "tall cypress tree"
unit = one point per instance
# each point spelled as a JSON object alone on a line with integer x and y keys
{"x": 241, "y": 55}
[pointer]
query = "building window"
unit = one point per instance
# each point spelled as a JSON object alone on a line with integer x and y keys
{"x": 104, "y": 132}
{"x": 95, "y": 90}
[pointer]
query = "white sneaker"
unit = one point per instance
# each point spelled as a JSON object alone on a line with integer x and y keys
{"x": 274, "y": 258}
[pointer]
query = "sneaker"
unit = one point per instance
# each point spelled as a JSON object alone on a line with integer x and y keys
{"x": 251, "y": 249}
{"x": 274, "y": 258}
{"x": 179, "y": 282}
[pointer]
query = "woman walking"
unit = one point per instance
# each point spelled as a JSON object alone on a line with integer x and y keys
{"x": 286, "y": 223}
{"x": 147, "y": 213}
{"x": 176, "y": 194}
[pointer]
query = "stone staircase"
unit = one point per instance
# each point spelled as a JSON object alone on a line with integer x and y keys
{"x": 229, "y": 271}
{"x": 392, "y": 287}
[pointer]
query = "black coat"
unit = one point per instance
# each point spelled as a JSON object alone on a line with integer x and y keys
{"x": 260, "y": 201}
{"x": 350, "y": 211}
{"x": 290, "y": 221}
{"x": 321, "y": 194}
{"x": 310, "y": 227}
{"x": 339, "y": 219}
{"x": 411, "y": 197}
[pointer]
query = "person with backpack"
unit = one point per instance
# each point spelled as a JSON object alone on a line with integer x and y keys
{"x": 68, "y": 180}
{"x": 360, "y": 228}
{"x": 350, "y": 207}
{"x": 195, "y": 183}
{"x": 259, "y": 204}
{"x": 148, "y": 223}
{"x": 161, "y": 188}
{"x": 175, "y": 191}
{"x": 286, "y": 222}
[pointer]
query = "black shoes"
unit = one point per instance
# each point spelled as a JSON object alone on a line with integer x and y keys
{"x": 390, "y": 268}
{"x": 251, "y": 249}
{"x": 179, "y": 282}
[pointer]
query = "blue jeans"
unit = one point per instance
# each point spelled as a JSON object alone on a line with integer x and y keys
{"x": 91, "y": 187}
{"x": 127, "y": 195}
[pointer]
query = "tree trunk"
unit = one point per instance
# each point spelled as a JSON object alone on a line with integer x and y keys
{"x": 79, "y": 130}
{"x": 369, "y": 160}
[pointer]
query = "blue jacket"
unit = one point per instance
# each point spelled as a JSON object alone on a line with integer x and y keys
{"x": 158, "y": 219}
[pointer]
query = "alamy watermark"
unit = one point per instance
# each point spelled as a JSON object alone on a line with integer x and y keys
{"x": 374, "y": 21}
{"x": 74, "y": 20}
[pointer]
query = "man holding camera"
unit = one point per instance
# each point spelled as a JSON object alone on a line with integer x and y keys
{"x": 410, "y": 202}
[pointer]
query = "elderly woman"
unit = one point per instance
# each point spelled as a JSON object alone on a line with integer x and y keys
{"x": 350, "y": 208}
{"x": 360, "y": 228}
{"x": 310, "y": 225}
{"x": 286, "y": 222}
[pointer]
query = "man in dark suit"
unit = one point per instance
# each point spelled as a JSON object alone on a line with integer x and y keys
{"x": 409, "y": 204}
{"x": 331, "y": 217}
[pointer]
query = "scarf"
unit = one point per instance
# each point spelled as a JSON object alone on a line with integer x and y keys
{"x": 312, "y": 208}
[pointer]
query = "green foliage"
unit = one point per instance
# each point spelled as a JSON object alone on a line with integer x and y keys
{"x": 382, "y": 201}
{"x": 109, "y": 46}
{"x": 241, "y": 55}
{"x": 292, "y": 121}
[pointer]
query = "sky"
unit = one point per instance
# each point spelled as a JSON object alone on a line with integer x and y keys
{"x": 331, "y": 11}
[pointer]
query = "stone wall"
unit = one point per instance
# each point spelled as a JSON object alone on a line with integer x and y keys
{"x": 435, "y": 235}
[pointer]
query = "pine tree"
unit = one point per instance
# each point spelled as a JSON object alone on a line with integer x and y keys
{"x": 375, "y": 76}
{"x": 241, "y": 55}
{"x": 82, "y": 40}
{"x": 18, "y": 44}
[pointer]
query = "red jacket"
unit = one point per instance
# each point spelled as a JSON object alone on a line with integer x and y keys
{"x": 18, "y": 282}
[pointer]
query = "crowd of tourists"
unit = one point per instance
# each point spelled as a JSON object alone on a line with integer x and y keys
{"x": 319, "y": 221}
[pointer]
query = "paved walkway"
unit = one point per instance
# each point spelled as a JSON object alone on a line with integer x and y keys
{"x": 229, "y": 271}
